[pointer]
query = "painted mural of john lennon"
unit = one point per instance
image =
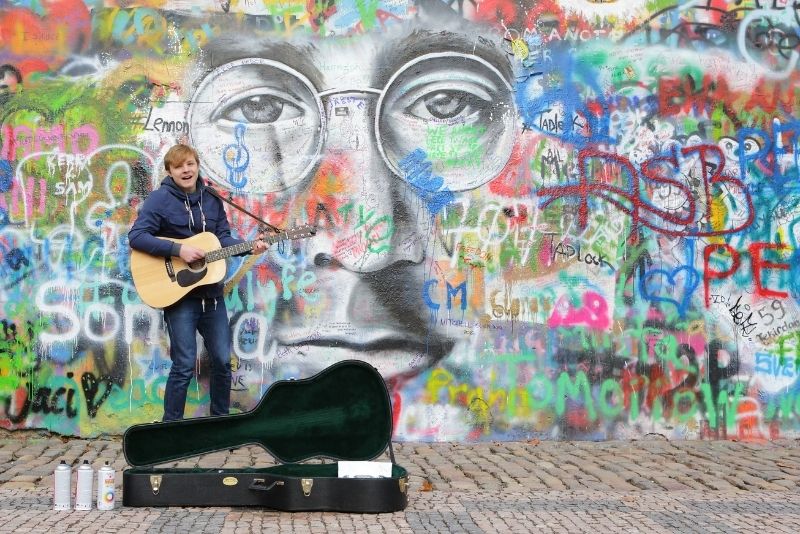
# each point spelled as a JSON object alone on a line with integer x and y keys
{"x": 373, "y": 138}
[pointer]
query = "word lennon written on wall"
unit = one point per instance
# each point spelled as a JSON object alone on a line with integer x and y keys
{"x": 547, "y": 219}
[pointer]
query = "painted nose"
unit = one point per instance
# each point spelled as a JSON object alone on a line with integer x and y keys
{"x": 376, "y": 222}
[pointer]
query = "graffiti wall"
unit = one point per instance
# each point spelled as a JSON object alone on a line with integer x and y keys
{"x": 557, "y": 219}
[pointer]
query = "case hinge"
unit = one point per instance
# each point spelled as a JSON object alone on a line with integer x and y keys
{"x": 155, "y": 483}
{"x": 307, "y": 483}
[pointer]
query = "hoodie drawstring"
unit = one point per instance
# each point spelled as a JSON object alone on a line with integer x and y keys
{"x": 191, "y": 215}
{"x": 189, "y": 211}
{"x": 203, "y": 217}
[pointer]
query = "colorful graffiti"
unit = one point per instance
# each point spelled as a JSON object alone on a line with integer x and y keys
{"x": 538, "y": 219}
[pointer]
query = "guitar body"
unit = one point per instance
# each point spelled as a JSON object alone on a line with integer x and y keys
{"x": 161, "y": 282}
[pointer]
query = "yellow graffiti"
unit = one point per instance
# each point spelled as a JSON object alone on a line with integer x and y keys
{"x": 520, "y": 49}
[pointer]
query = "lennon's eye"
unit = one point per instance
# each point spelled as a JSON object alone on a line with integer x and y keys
{"x": 259, "y": 109}
{"x": 713, "y": 36}
{"x": 446, "y": 104}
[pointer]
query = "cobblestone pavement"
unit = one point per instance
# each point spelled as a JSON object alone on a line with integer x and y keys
{"x": 647, "y": 486}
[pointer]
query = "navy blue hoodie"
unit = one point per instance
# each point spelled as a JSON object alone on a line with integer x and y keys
{"x": 170, "y": 212}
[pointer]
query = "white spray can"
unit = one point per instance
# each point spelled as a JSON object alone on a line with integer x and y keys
{"x": 105, "y": 487}
{"x": 83, "y": 493}
{"x": 62, "y": 487}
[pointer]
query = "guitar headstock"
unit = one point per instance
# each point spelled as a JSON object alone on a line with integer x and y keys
{"x": 299, "y": 232}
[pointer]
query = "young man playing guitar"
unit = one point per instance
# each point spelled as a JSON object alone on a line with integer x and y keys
{"x": 179, "y": 209}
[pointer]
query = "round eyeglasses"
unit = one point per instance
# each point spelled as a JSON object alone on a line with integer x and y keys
{"x": 262, "y": 125}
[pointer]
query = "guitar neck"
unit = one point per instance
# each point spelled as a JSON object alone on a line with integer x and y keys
{"x": 246, "y": 246}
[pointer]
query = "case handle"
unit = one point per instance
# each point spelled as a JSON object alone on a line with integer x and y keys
{"x": 259, "y": 484}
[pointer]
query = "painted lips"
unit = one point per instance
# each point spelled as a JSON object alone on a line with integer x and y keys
{"x": 392, "y": 355}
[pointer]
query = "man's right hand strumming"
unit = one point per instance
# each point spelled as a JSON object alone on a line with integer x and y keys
{"x": 189, "y": 253}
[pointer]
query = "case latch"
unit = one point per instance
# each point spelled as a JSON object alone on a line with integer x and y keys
{"x": 155, "y": 483}
{"x": 403, "y": 484}
{"x": 307, "y": 483}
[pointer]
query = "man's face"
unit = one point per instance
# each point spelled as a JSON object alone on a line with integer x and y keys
{"x": 377, "y": 144}
{"x": 185, "y": 174}
{"x": 8, "y": 86}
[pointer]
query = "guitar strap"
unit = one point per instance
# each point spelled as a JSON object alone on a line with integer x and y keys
{"x": 243, "y": 210}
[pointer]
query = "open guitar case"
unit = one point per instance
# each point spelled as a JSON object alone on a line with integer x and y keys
{"x": 341, "y": 413}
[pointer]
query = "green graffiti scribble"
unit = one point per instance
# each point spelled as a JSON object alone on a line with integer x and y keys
{"x": 682, "y": 397}
{"x": 18, "y": 357}
{"x": 566, "y": 387}
{"x": 611, "y": 388}
{"x": 455, "y": 146}
{"x": 368, "y": 11}
{"x": 722, "y": 402}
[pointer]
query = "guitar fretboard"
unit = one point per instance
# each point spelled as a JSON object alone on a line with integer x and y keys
{"x": 233, "y": 250}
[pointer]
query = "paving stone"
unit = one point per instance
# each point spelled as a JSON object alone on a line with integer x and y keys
{"x": 643, "y": 486}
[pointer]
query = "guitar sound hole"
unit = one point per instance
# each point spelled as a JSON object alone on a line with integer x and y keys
{"x": 197, "y": 265}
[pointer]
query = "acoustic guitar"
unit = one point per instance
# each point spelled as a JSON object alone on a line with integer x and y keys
{"x": 161, "y": 281}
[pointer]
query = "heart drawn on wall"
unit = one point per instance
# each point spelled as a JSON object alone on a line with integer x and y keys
{"x": 675, "y": 286}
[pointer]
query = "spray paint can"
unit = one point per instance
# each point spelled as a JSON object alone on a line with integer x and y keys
{"x": 105, "y": 487}
{"x": 62, "y": 487}
{"x": 83, "y": 493}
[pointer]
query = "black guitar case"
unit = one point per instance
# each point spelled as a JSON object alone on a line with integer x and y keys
{"x": 342, "y": 413}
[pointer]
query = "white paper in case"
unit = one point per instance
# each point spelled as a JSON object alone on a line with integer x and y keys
{"x": 350, "y": 469}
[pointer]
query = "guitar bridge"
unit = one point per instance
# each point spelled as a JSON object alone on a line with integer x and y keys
{"x": 169, "y": 268}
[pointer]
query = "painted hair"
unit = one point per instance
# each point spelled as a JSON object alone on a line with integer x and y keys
{"x": 178, "y": 154}
{"x": 6, "y": 69}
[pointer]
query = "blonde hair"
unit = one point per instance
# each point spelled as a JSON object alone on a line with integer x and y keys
{"x": 178, "y": 154}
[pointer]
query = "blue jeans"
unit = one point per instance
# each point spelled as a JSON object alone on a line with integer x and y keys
{"x": 184, "y": 319}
